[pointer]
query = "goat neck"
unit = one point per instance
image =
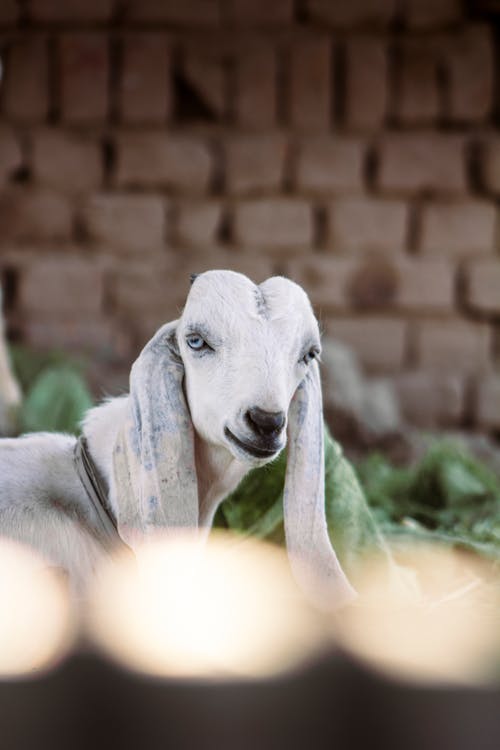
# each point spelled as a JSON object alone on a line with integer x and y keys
{"x": 217, "y": 471}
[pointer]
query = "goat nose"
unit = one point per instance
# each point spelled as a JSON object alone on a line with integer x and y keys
{"x": 265, "y": 422}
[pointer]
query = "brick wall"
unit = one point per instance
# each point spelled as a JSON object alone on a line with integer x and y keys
{"x": 353, "y": 146}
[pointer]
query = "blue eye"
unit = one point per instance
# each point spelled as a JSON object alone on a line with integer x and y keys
{"x": 195, "y": 342}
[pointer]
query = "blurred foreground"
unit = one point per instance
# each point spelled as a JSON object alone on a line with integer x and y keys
{"x": 218, "y": 649}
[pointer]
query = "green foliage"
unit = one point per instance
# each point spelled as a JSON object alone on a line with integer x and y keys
{"x": 449, "y": 496}
{"x": 56, "y": 396}
{"x": 56, "y": 401}
{"x": 28, "y": 363}
{"x": 256, "y": 508}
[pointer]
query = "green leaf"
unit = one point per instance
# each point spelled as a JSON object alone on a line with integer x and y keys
{"x": 449, "y": 497}
{"x": 256, "y": 507}
{"x": 57, "y": 401}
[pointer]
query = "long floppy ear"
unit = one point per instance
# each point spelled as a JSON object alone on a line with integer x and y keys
{"x": 313, "y": 560}
{"x": 154, "y": 476}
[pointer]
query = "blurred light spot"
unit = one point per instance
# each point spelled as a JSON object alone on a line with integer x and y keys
{"x": 226, "y": 607}
{"x": 36, "y": 627}
{"x": 445, "y": 629}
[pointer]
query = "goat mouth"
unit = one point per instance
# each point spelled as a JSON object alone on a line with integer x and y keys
{"x": 253, "y": 450}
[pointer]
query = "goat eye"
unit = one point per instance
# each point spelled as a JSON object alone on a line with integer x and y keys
{"x": 311, "y": 354}
{"x": 195, "y": 342}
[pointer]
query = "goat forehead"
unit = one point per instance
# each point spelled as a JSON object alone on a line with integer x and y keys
{"x": 221, "y": 287}
{"x": 284, "y": 298}
{"x": 246, "y": 328}
{"x": 260, "y": 323}
{"x": 232, "y": 298}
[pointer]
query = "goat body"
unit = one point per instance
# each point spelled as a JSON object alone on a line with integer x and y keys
{"x": 44, "y": 504}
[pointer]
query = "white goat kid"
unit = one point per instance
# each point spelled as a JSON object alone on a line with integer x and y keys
{"x": 212, "y": 395}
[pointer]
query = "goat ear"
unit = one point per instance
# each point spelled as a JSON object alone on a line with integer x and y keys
{"x": 313, "y": 560}
{"x": 154, "y": 476}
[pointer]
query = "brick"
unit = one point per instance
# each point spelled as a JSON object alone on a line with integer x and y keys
{"x": 326, "y": 279}
{"x": 274, "y": 223}
{"x": 430, "y": 400}
{"x": 93, "y": 334}
{"x": 257, "y": 266}
{"x": 144, "y": 300}
{"x": 205, "y": 72}
{"x": 488, "y": 401}
{"x": 66, "y": 161}
{"x": 353, "y": 13}
{"x": 255, "y": 100}
{"x": 143, "y": 327}
{"x": 259, "y": 13}
{"x": 366, "y": 82}
{"x": 374, "y": 284}
{"x": 157, "y": 159}
{"x": 48, "y": 11}
{"x": 35, "y": 214}
{"x": 26, "y": 87}
{"x": 380, "y": 343}
{"x": 483, "y": 286}
{"x": 418, "y": 99}
{"x": 453, "y": 346}
{"x": 255, "y": 163}
{"x": 203, "y": 13}
{"x": 429, "y": 14}
{"x": 330, "y": 165}
{"x": 144, "y": 91}
{"x": 61, "y": 284}
{"x": 470, "y": 64}
{"x": 84, "y": 77}
{"x": 426, "y": 285}
{"x": 378, "y": 282}
{"x": 198, "y": 223}
{"x": 126, "y": 222}
{"x": 367, "y": 224}
{"x": 10, "y": 153}
{"x": 9, "y": 12}
{"x": 412, "y": 163}
{"x": 311, "y": 86}
{"x": 461, "y": 228}
{"x": 490, "y": 164}
{"x": 138, "y": 291}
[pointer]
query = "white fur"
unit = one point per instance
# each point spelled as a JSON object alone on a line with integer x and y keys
{"x": 258, "y": 335}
